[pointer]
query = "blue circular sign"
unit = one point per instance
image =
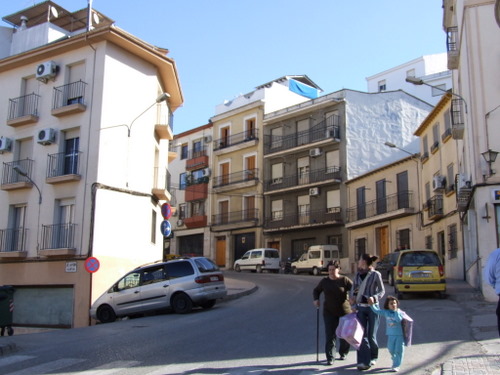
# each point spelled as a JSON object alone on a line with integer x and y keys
{"x": 166, "y": 228}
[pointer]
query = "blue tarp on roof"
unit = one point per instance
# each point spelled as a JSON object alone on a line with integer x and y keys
{"x": 302, "y": 89}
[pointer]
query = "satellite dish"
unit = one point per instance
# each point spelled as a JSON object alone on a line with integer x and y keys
{"x": 54, "y": 12}
{"x": 96, "y": 18}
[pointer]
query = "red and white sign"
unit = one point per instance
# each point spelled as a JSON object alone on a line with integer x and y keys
{"x": 91, "y": 265}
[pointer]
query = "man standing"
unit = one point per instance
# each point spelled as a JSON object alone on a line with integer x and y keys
{"x": 492, "y": 276}
{"x": 336, "y": 290}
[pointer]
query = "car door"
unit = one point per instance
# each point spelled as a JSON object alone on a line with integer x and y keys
{"x": 154, "y": 288}
{"x": 245, "y": 261}
{"x": 126, "y": 295}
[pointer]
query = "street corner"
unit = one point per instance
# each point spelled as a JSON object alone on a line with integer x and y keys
{"x": 238, "y": 288}
{"x": 7, "y": 347}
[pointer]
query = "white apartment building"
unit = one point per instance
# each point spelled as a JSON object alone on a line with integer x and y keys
{"x": 473, "y": 43}
{"x": 86, "y": 118}
{"x": 430, "y": 68}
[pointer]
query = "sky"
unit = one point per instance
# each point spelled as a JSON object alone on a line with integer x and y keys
{"x": 224, "y": 48}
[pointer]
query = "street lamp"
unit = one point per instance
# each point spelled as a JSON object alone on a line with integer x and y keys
{"x": 419, "y": 82}
{"x": 490, "y": 156}
{"x": 158, "y": 100}
{"x": 23, "y": 173}
{"x": 392, "y": 145}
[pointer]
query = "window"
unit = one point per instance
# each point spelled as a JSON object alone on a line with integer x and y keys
{"x": 403, "y": 238}
{"x": 438, "y": 90}
{"x": 197, "y": 148}
{"x": 130, "y": 281}
{"x": 425, "y": 147}
{"x": 277, "y": 210}
{"x": 403, "y": 193}
{"x": 153, "y": 275}
{"x": 184, "y": 151}
{"x": 153, "y": 226}
{"x": 197, "y": 176}
{"x": 14, "y": 239}
{"x": 381, "y": 197}
{"x": 63, "y": 231}
{"x": 333, "y": 201}
{"x": 360, "y": 247}
{"x": 450, "y": 178}
{"x": 360, "y": 202}
{"x": 182, "y": 211}
{"x": 276, "y": 137}
{"x": 198, "y": 208}
{"x": 382, "y": 86}
{"x": 428, "y": 242}
{"x": 182, "y": 181}
{"x": 336, "y": 240}
{"x": 71, "y": 156}
{"x": 277, "y": 173}
{"x": 250, "y": 128}
{"x": 179, "y": 269}
{"x": 452, "y": 241}
{"x": 332, "y": 161}
{"x": 435, "y": 137}
{"x": 303, "y": 170}
{"x": 303, "y": 209}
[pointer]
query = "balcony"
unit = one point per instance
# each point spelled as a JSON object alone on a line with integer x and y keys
{"x": 63, "y": 167}
{"x": 446, "y": 135}
{"x": 326, "y": 130}
{"x": 164, "y": 126}
{"x": 435, "y": 207}
{"x": 236, "y": 180}
{"x": 452, "y": 47}
{"x": 390, "y": 207}
{"x": 161, "y": 183}
{"x": 196, "y": 190}
{"x": 424, "y": 157}
{"x": 235, "y": 220}
{"x": 197, "y": 159}
{"x": 13, "y": 243}
{"x": 69, "y": 99}
{"x": 11, "y": 180}
{"x": 316, "y": 218}
{"x": 58, "y": 240}
{"x": 23, "y": 110}
{"x": 301, "y": 180}
{"x": 199, "y": 221}
{"x": 435, "y": 147}
{"x": 457, "y": 118}
{"x": 226, "y": 144}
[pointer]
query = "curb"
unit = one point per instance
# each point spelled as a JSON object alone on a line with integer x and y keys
{"x": 244, "y": 292}
{"x": 7, "y": 349}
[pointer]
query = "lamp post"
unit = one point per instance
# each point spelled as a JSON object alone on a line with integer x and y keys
{"x": 419, "y": 82}
{"x": 392, "y": 145}
{"x": 490, "y": 156}
{"x": 23, "y": 173}
{"x": 158, "y": 100}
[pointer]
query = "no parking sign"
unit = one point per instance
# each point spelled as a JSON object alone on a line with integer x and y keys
{"x": 166, "y": 211}
{"x": 91, "y": 265}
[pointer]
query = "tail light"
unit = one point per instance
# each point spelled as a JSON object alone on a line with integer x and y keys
{"x": 321, "y": 262}
{"x": 441, "y": 271}
{"x": 209, "y": 279}
{"x": 400, "y": 271}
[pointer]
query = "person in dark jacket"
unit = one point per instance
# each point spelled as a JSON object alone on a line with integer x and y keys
{"x": 336, "y": 290}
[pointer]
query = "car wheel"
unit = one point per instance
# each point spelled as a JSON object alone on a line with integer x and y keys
{"x": 182, "y": 304}
{"x": 316, "y": 271}
{"x": 208, "y": 304}
{"x": 237, "y": 268}
{"x": 390, "y": 279}
{"x": 295, "y": 271}
{"x": 258, "y": 269}
{"x": 106, "y": 314}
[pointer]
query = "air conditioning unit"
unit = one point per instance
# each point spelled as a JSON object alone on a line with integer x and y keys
{"x": 180, "y": 222}
{"x": 207, "y": 172}
{"x": 46, "y": 71}
{"x": 207, "y": 139}
{"x": 46, "y": 136}
{"x": 5, "y": 145}
{"x": 438, "y": 183}
{"x": 314, "y": 191}
{"x": 313, "y": 152}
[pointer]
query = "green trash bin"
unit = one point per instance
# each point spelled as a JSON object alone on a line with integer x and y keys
{"x": 6, "y": 309}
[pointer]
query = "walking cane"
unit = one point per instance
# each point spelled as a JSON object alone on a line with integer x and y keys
{"x": 317, "y": 334}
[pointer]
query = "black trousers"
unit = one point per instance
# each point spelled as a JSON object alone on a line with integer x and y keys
{"x": 498, "y": 315}
{"x": 331, "y": 324}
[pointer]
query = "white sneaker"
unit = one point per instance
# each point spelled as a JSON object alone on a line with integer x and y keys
{"x": 395, "y": 369}
{"x": 373, "y": 362}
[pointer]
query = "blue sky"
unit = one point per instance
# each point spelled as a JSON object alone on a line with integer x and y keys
{"x": 224, "y": 48}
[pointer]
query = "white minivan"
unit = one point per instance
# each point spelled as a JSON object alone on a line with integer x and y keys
{"x": 259, "y": 260}
{"x": 316, "y": 259}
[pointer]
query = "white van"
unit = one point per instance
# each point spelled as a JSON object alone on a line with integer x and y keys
{"x": 316, "y": 259}
{"x": 259, "y": 260}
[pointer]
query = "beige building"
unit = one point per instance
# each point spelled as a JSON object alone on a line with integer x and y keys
{"x": 442, "y": 227}
{"x": 383, "y": 212}
{"x": 86, "y": 111}
{"x": 473, "y": 41}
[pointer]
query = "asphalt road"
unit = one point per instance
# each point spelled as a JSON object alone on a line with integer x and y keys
{"x": 272, "y": 331}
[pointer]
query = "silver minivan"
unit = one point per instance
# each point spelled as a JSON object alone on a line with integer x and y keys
{"x": 259, "y": 260}
{"x": 179, "y": 284}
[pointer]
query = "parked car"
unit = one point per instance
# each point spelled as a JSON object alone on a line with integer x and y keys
{"x": 316, "y": 259}
{"x": 419, "y": 271}
{"x": 386, "y": 267}
{"x": 258, "y": 260}
{"x": 179, "y": 284}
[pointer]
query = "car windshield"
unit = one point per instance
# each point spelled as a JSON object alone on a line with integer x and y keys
{"x": 420, "y": 258}
{"x": 206, "y": 265}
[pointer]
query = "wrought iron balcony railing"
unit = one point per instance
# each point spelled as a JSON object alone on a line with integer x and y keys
{"x": 72, "y": 93}
{"x": 246, "y": 136}
{"x": 235, "y": 217}
{"x": 376, "y": 207}
{"x": 25, "y": 105}
{"x": 317, "y": 175}
{"x": 237, "y": 177}
{"x": 10, "y": 176}
{"x": 13, "y": 239}
{"x": 281, "y": 220}
{"x": 58, "y": 236}
{"x": 62, "y": 164}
